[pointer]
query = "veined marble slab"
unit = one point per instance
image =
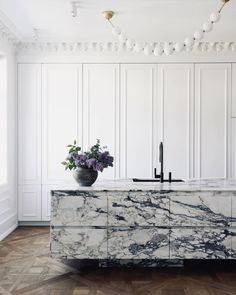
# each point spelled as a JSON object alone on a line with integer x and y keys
{"x": 200, "y": 209}
{"x": 200, "y": 243}
{"x": 85, "y": 209}
{"x": 129, "y": 185}
{"x": 138, "y": 243}
{"x": 138, "y": 208}
{"x": 79, "y": 243}
{"x": 234, "y": 209}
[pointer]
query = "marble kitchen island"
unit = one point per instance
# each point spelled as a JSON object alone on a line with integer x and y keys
{"x": 122, "y": 220}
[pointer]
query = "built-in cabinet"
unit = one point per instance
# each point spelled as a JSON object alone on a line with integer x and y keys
{"x": 131, "y": 108}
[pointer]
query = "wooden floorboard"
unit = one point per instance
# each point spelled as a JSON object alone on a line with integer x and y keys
{"x": 27, "y": 268}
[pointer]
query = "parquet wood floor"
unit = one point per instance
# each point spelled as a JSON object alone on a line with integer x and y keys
{"x": 26, "y": 268}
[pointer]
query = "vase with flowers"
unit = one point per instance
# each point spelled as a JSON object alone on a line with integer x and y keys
{"x": 87, "y": 164}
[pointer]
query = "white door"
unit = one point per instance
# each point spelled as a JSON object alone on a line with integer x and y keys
{"x": 175, "y": 84}
{"x": 61, "y": 118}
{"x": 137, "y": 120}
{"x": 212, "y": 120}
{"x": 234, "y": 91}
{"x": 29, "y": 124}
{"x": 101, "y": 110}
{"x": 29, "y": 203}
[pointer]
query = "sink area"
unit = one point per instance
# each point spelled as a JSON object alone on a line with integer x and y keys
{"x": 159, "y": 177}
{"x": 157, "y": 180}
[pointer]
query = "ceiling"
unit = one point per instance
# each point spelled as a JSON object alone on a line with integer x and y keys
{"x": 143, "y": 20}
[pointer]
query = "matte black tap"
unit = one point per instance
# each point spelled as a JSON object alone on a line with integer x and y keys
{"x": 161, "y": 160}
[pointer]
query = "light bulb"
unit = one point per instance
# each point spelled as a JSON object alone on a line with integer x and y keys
{"x": 138, "y": 47}
{"x": 189, "y": 42}
{"x": 215, "y": 17}
{"x": 158, "y": 51}
{"x": 168, "y": 49}
{"x": 147, "y": 50}
{"x": 198, "y": 35}
{"x": 207, "y": 26}
{"x": 179, "y": 47}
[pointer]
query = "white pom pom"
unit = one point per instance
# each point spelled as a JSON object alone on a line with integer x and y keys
{"x": 147, "y": 50}
{"x": 179, "y": 47}
{"x": 198, "y": 35}
{"x": 168, "y": 49}
{"x": 130, "y": 43}
{"x": 116, "y": 31}
{"x": 207, "y": 26}
{"x": 158, "y": 51}
{"x": 189, "y": 42}
{"x": 122, "y": 37}
{"x": 215, "y": 17}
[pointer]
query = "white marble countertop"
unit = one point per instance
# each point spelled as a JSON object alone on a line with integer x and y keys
{"x": 129, "y": 185}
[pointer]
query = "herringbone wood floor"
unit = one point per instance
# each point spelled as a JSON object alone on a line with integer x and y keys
{"x": 26, "y": 268}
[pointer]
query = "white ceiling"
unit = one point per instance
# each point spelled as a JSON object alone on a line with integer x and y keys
{"x": 144, "y": 20}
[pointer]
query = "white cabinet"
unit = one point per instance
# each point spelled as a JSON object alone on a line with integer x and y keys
{"x": 137, "y": 125}
{"x": 212, "y": 114}
{"x": 46, "y": 203}
{"x": 175, "y": 88}
{"x": 233, "y": 153}
{"x": 101, "y": 110}
{"x": 61, "y": 123}
{"x": 29, "y": 203}
{"x": 234, "y": 90}
{"x": 29, "y": 124}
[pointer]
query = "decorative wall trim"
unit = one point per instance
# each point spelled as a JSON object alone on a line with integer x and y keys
{"x": 8, "y": 35}
{"x": 114, "y": 46}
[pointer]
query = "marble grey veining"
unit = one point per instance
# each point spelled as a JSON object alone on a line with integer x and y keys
{"x": 200, "y": 209}
{"x": 80, "y": 243}
{"x": 140, "y": 209}
{"x": 89, "y": 209}
{"x": 200, "y": 243}
{"x": 138, "y": 243}
{"x": 125, "y": 221}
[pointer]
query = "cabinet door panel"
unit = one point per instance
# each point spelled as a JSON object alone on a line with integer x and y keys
{"x": 234, "y": 91}
{"x": 138, "y": 243}
{"x": 234, "y": 148}
{"x": 200, "y": 209}
{"x": 29, "y": 203}
{"x": 175, "y": 84}
{"x": 137, "y": 126}
{"x": 101, "y": 110}
{"x": 200, "y": 243}
{"x": 79, "y": 243}
{"x": 29, "y": 123}
{"x": 212, "y": 120}
{"x": 46, "y": 203}
{"x": 61, "y": 103}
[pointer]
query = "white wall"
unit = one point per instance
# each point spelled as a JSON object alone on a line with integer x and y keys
{"x": 8, "y": 194}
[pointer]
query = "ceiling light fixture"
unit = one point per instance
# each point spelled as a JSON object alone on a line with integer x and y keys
{"x": 168, "y": 48}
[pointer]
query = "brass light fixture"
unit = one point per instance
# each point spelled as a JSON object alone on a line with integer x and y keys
{"x": 168, "y": 49}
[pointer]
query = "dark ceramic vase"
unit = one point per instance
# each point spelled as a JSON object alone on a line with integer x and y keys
{"x": 85, "y": 176}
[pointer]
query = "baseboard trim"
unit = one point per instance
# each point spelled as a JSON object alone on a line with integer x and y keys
{"x": 8, "y": 232}
{"x": 34, "y": 223}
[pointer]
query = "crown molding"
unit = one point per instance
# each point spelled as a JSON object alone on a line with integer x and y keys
{"x": 115, "y": 46}
{"x": 8, "y": 31}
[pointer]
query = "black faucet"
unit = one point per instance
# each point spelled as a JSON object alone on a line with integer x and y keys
{"x": 159, "y": 177}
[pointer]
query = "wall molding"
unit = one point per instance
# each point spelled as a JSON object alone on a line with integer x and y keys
{"x": 7, "y": 34}
{"x": 114, "y": 47}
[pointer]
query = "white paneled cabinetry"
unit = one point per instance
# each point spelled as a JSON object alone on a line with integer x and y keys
{"x": 137, "y": 120}
{"x": 131, "y": 108}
